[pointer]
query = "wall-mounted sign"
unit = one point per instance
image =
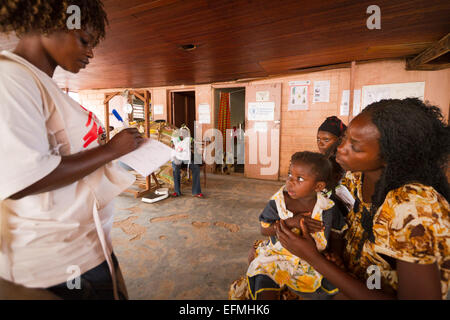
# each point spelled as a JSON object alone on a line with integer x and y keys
{"x": 262, "y": 96}
{"x": 261, "y": 111}
{"x": 204, "y": 114}
{"x": 298, "y": 98}
{"x": 158, "y": 109}
{"x": 321, "y": 91}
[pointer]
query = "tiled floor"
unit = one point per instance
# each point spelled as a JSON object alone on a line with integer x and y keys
{"x": 189, "y": 248}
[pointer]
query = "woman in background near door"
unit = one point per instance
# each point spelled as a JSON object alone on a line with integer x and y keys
{"x": 58, "y": 178}
{"x": 397, "y": 244}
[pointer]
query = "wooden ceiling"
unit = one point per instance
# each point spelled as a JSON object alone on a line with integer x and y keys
{"x": 247, "y": 39}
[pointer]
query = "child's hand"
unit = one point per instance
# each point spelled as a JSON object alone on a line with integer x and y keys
{"x": 312, "y": 224}
{"x": 303, "y": 245}
{"x": 331, "y": 256}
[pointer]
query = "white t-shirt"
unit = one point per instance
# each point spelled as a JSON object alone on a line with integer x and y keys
{"x": 43, "y": 235}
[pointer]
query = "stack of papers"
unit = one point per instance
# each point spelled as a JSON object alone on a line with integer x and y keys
{"x": 148, "y": 158}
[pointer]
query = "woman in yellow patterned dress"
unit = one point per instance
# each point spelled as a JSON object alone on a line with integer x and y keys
{"x": 397, "y": 244}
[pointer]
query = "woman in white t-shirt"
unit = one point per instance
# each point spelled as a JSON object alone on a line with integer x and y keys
{"x": 57, "y": 176}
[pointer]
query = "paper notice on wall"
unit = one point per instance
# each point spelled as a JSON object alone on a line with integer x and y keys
{"x": 321, "y": 91}
{"x": 298, "y": 98}
{"x": 150, "y": 156}
{"x": 374, "y": 93}
{"x": 158, "y": 109}
{"x": 204, "y": 114}
{"x": 345, "y": 103}
{"x": 261, "y": 111}
{"x": 262, "y": 96}
{"x": 300, "y": 83}
{"x": 356, "y": 102}
{"x": 260, "y": 126}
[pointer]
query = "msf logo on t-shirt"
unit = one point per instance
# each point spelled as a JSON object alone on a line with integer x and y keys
{"x": 95, "y": 132}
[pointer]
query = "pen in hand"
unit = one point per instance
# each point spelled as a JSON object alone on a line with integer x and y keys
{"x": 118, "y": 117}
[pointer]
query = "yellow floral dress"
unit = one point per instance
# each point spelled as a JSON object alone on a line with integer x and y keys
{"x": 284, "y": 268}
{"x": 411, "y": 225}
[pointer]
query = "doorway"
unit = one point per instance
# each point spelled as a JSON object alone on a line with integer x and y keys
{"x": 183, "y": 109}
{"x": 235, "y": 99}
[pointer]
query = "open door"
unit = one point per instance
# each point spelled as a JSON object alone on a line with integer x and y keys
{"x": 262, "y": 131}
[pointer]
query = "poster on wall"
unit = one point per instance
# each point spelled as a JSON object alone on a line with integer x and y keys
{"x": 204, "y": 114}
{"x": 374, "y": 93}
{"x": 345, "y": 103}
{"x": 158, "y": 109}
{"x": 356, "y": 102}
{"x": 261, "y": 111}
{"x": 298, "y": 98}
{"x": 262, "y": 96}
{"x": 321, "y": 91}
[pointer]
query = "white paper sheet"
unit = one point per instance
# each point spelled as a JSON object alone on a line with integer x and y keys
{"x": 356, "y": 102}
{"x": 374, "y": 93}
{"x": 321, "y": 91}
{"x": 158, "y": 109}
{"x": 345, "y": 103}
{"x": 204, "y": 114}
{"x": 261, "y": 111}
{"x": 298, "y": 99}
{"x": 150, "y": 156}
{"x": 300, "y": 83}
{"x": 262, "y": 96}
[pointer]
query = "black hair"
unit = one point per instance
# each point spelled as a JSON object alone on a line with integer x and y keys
{"x": 319, "y": 163}
{"x": 333, "y": 125}
{"x": 45, "y": 17}
{"x": 414, "y": 145}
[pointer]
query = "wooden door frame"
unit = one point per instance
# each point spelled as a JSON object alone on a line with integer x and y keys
{"x": 227, "y": 86}
{"x": 171, "y": 112}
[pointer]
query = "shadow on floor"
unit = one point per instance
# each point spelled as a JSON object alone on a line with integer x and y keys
{"x": 189, "y": 248}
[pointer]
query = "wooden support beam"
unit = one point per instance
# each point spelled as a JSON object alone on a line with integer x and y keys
{"x": 106, "y": 109}
{"x": 352, "y": 89}
{"x": 138, "y": 95}
{"x": 148, "y": 181}
{"x": 423, "y": 61}
{"x": 110, "y": 96}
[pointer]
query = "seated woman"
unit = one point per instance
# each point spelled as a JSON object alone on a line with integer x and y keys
{"x": 329, "y": 137}
{"x": 274, "y": 268}
{"x": 397, "y": 244}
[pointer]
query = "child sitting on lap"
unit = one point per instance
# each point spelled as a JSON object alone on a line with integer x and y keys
{"x": 273, "y": 267}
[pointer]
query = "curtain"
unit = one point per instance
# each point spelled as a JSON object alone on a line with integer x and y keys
{"x": 224, "y": 115}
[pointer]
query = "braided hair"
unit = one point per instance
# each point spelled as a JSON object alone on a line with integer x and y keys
{"x": 45, "y": 17}
{"x": 333, "y": 125}
{"x": 320, "y": 165}
{"x": 414, "y": 144}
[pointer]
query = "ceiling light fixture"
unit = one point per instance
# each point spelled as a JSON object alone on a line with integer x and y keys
{"x": 188, "y": 47}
